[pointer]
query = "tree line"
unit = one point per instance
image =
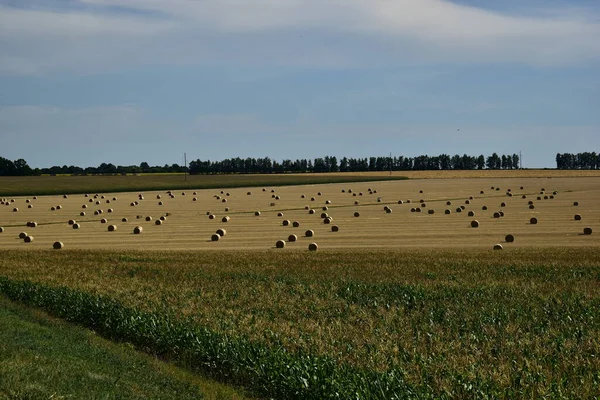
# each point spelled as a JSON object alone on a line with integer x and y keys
{"x": 332, "y": 164}
{"x": 268, "y": 166}
{"x": 578, "y": 161}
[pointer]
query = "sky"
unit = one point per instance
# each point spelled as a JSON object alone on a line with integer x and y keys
{"x": 84, "y": 82}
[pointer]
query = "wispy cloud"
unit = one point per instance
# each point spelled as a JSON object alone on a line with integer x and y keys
{"x": 109, "y": 34}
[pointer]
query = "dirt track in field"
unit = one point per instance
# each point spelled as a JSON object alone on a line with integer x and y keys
{"x": 189, "y": 228}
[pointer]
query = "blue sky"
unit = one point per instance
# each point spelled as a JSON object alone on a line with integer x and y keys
{"x": 124, "y": 81}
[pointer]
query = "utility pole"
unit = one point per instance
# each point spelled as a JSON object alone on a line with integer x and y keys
{"x": 520, "y": 160}
{"x": 390, "y": 164}
{"x": 185, "y": 173}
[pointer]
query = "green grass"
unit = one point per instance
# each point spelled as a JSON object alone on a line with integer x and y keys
{"x": 54, "y": 185}
{"x": 443, "y": 324}
{"x": 42, "y": 357}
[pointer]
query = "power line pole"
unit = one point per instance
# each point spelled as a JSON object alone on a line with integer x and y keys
{"x": 520, "y": 160}
{"x": 185, "y": 173}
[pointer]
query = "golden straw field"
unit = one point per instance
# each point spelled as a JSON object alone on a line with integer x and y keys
{"x": 188, "y": 227}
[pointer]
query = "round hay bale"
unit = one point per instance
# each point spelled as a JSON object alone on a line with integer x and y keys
{"x": 530, "y": 202}
{"x": 148, "y": 218}
{"x": 292, "y": 238}
{"x": 65, "y": 196}
{"x": 498, "y": 247}
{"x": 257, "y": 213}
{"x": 84, "y": 206}
{"x": 575, "y": 203}
{"x": 313, "y": 247}
{"x": 183, "y": 193}
{"x": 195, "y": 199}
{"x": 349, "y": 190}
{"x": 531, "y": 207}
{"x": 133, "y": 204}
{"x": 249, "y": 194}
{"x": 385, "y": 208}
{"x": 417, "y": 210}
{"x": 312, "y": 199}
{"x": 124, "y": 219}
{"x": 138, "y": 230}
{"x": 15, "y": 209}
{"x": 420, "y": 191}
{"x": 29, "y": 206}
{"x": 28, "y": 239}
{"x": 509, "y": 238}
{"x": 112, "y": 228}
{"x": 447, "y": 212}
{"x": 474, "y": 224}
{"x": 27, "y": 201}
{"x": 335, "y": 228}
{"x": 311, "y": 211}
{"x": 448, "y": 203}
{"x": 467, "y": 201}
{"x": 325, "y": 208}
{"x": 280, "y": 244}
{"x": 302, "y": 196}
{"x": 431, "y": 211}
{"x": 577, "y": 217}
{"x": 484, "y": 208}
{"x": 211, "y": 216}
{"x": 107, "y": 201}
{"x": 319, "y": 194}
{"x": 471, "y": 214}
{"x": 459, "y": 210}
{"x": 587, "y": 230}
{"x": 502, "y": 204}
{"x": 225, "y": 219}
{"x": 296, "y": 224}
{"x": 33, "y": 224}
{"x": 496, "y": 214}
{"x": 280, "y": 214}
{"x": 110, "y": 210}
{"x": 97, "y": 203}
{"x": 1, "y": 229}
{"x": 423, "y": 205}
{"x": 71, "y": 222}
{"x": 328, "y": 202}
{"x": 356, "y": 202}
{"x": 343, "y": 190}
{"x": 328, "y": 220}
{"x": 226, "y": 209}
{"x": 225, "y": 200}
{"x": 502, "y": 213}
{"x": 158, "y": 222}
{"x": 215, "y": 237}
{"x": 22, "y": 235}
{"x": 463, "y": 207}
{"x": 481, "y": 192}
{"x": 400, "y": 202}
{"x": 354, "y": 194}
{"x": 413, "y": 210}
{"x": 524, "y": 197}
{"x": 272, "y": 190}
{"x": 356, "y": 214}
{"x": 539, "y": 198}
{"x": 158, "y": 197}
{"x": 103, "y": 221}
{"x": 324, "y": 215}
{"x": 551, "y": 197}
{"x": 497, "y": 189}
{"x": 91, "y": 201}
{"x": 309, "y": 233}
{"x": 76, "y": 226}
{"x": 272, "y": 204}
{"x": 163, "y": 218}
{"x": 58, "y": 245}
{"x": 360, "y": 193}
{"x": 470, "y": 197}
{"x": 285, "y": 222}
{"x": 221, "y": 232}
{"x": 533, "y": 220}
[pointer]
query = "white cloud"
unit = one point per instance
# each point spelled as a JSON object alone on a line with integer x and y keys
{"x": 288, "y": 32}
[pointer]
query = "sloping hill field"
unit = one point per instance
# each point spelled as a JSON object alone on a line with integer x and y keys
{"x": 444, "y": 210}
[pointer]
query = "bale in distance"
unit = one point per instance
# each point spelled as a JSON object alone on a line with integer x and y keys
{"x": 280, "y": 214}
{"x": 496, "y": 215}
{"x": 257, "y": 213}
{"x": 103, "y": 221}
{"x": 328, "y": 220}
{"x": 431, "y": 211}
{"x": 498, "y": 246}
{"x": 533, "y": 221}
{"x": 417, "y": 210}
{"x": 575, "y": 203}
{"x": 158, "y": 222}
{"x": 335, "y": 228}
{"x": 356, "y": 202}
{"x": 459, "y": 210}
{"x": 215, "y": 237}
{"x": 474, "y": 224}
{"x": 448, "y": 203}
{"x": 15, "y": 209}
{"x": 484, "y": 208}
{"x": 447, "y": 212}
{"x": 471, "y": 214}
{"x": 1, "y": 229}
{"x": 280, "y": 244}
{"x": 112, "y": 228}
{"x": 30, "y": 206}
{"x": 211, "y": 216}
{"x": 509, "y": 238}
{"x": 313, "y": 247}
{"x": 285, "y": 222}
{"x": 325, "y": 208}
{"x": 148, "y": 218}
{"x": 28, "y": 239}
{"x": 328, "y": 202}
{"x": 138, "y": 230}
{"x": 296, "y": 224}
{"x": 577, "y": 217}
{"x": 292, "y": 238}
{"x": 22, "y": 235}
{"x": 225, "y": 219}
{"x": 502, "y": 213}
{"x": 124, "y": 220}
{"x": 163, "y": 218}
{"x": 221, "y": 232}
{"x": 587, "y": 230}
{"x": 309, "y": 233}
{"x": 58, "y": 245}
{"x": 226, "y": 209}
{"x": 502, "y": 204}
{"x": 311, "y": 211}
{"x": 400, "y": 202}
{"x": 356, "y": 214}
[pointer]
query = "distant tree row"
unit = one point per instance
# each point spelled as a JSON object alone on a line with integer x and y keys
{"x": 15, "y": 168}
{"x": 578, "y": 161}
{"x": 331, "y": 164}
{"x": 111, "y": 169}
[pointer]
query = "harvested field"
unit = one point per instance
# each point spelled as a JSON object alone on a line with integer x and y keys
{"x": 374, "y": 229}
